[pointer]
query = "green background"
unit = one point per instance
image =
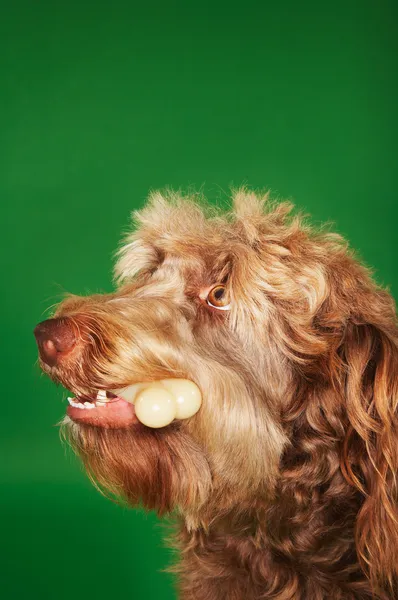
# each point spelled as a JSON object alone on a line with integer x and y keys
{"x": 101, "y": 102}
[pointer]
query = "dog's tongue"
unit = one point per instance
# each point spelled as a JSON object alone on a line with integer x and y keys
{"x": 115, "y": 414}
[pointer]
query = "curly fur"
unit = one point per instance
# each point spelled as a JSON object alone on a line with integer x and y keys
{"x": 284, "y": 484}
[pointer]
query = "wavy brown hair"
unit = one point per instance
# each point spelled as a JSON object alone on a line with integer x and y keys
{"x": 285, "y": 482}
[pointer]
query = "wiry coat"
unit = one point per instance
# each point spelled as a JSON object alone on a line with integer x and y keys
{"x": 285, "y": 482}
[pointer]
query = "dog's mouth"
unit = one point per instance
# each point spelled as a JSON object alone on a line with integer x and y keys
{"x": 103, "y": 409}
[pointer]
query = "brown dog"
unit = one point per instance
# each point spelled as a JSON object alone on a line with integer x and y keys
{"x": 284, "y": 484}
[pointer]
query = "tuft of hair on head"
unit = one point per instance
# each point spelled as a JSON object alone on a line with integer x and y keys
{"x": 167, "y": 220}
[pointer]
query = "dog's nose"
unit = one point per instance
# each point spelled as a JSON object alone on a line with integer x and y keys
{"x": 54, "y": 337}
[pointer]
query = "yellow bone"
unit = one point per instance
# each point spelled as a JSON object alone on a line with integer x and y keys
{"x": 158, "y": 403}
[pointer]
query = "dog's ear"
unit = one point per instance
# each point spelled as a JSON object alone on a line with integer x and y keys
{"x": 368, "y": 382}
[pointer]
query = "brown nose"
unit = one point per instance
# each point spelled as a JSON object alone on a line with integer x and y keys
{"x": 54, "y": 337}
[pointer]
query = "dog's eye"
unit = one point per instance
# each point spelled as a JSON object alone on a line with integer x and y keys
{"x": 218, "y": 297}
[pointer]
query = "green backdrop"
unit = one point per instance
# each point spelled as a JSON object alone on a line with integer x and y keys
{"x": 99, "y": 103}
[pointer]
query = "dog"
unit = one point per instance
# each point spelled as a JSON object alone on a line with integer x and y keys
{"x": 284, "y": 484}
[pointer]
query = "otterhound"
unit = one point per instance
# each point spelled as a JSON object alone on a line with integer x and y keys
{"x": 284, "y": 483}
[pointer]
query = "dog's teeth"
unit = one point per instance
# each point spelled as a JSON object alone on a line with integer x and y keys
{"x": 101, "y": 396}
{"x": 75, "y": 404}
{"x": 100, "y": 404}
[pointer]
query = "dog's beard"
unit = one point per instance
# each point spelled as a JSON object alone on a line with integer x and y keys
{"x": 230, "y": 451}
{"x": 162, "y": 469}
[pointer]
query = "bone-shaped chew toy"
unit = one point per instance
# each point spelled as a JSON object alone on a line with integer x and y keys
{"x": 157, "y": 404}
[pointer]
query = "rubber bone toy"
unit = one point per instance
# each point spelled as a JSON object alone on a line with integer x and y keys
{"x": 157, "y": 404}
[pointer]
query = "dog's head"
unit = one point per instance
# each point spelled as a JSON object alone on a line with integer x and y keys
{"x": 294, "y": 349}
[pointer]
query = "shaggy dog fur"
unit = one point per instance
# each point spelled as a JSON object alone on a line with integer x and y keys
{"x": 284, "y": 484}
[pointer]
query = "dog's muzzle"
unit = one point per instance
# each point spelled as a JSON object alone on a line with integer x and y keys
{"x": 155, "y": 404}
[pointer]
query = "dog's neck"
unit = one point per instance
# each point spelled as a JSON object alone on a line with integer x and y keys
{"x": 242, "y": 521}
